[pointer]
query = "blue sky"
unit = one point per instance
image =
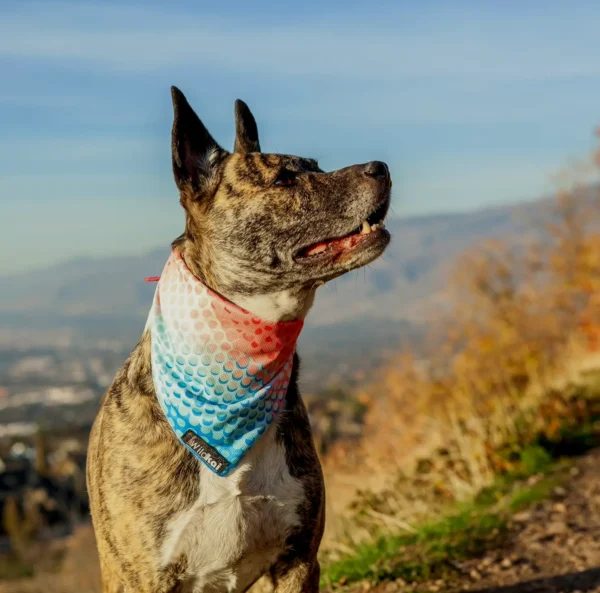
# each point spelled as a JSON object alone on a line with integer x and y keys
{"x": 471, "y": 103}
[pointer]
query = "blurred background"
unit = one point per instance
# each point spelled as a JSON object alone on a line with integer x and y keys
{"x": 451, "y": 384}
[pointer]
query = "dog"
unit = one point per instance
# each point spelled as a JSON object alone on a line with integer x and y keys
{"x": 175, "y": 505}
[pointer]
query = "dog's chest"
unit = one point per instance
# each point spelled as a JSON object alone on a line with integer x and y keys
{"x": 238, "y": 526}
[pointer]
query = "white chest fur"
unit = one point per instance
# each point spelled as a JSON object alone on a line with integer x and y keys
{"x": 237, "y": 527}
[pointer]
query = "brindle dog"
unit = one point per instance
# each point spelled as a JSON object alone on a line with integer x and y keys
{"x": 264, "y": 231}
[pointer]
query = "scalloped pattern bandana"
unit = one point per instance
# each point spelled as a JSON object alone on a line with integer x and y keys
{"x": 220, "y": 373}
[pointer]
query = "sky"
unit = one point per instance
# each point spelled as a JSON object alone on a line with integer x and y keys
{"x": 471, "y": 103}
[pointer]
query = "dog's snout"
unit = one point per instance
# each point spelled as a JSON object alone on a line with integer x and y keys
{"x": 376, "y": 169}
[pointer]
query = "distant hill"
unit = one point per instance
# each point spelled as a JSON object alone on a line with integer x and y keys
{"x": 360, "y": 314}
{"x": 412, "y": 268}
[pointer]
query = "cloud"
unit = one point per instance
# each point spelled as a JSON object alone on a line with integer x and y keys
{"x": 143, "y": 39}
{"x": 76, "y": 150}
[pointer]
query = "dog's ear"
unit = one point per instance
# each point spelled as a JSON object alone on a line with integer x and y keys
{"x": 194, "y": 150}
{"x": 246, "y": 132}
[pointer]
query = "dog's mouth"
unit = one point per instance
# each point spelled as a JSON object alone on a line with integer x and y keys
{"x": 366, "y": 233}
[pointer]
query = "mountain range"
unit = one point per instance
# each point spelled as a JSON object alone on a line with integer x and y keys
{"x": 355, "y": 319}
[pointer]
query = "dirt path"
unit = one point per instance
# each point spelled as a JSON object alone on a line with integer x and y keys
{"x": 553, "y": 547}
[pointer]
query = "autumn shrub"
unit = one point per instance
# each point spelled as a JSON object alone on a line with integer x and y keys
{"x": 505, "y": 370}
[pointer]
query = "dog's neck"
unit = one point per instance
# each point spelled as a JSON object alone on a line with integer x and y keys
{"x": 284, "y": 305}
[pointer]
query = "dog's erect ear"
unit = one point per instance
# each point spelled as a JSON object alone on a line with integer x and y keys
{"x": 246, "y": 132}
{"x": 193, "y": 148}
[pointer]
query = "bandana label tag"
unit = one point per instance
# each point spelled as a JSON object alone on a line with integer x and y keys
{"x": 208, "y": 454}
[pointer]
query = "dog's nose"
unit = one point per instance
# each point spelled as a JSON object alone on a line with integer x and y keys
{"x": 376, "y": 169}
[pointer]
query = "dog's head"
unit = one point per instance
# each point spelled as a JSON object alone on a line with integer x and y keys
{"x": 260, "y": 224}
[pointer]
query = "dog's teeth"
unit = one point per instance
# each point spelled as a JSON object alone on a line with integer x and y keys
{"x": 366, "y": 228}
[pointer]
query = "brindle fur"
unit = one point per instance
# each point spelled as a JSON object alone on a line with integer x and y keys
{"x": 240, "y": 237}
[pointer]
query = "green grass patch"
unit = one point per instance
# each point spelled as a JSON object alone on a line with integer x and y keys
{"x": 468, "y": 529}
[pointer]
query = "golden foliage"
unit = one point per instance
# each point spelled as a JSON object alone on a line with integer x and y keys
{"x": 519, "y": 310}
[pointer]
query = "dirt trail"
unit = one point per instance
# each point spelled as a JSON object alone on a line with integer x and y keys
{"x": 553, "y": 547}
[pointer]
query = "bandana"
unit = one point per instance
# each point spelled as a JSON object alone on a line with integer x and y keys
{"x": 220, "y": 373}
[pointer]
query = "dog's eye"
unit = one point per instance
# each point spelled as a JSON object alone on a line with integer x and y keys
{"x": 285, "y": 178}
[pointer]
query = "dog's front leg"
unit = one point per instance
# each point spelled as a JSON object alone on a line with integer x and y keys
{"x": 297, "y": 577}
{"x": 110, "y": 584}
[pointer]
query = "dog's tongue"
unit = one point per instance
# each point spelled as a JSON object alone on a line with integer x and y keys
{"x": 337, "y": 244}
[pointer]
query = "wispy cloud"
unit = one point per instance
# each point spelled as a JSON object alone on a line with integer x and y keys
{"x": 136, "y": 39}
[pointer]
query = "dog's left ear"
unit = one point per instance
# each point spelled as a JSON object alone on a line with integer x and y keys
{"x": 246, "y": 132}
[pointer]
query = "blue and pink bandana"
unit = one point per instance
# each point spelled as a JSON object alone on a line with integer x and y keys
{"x": 220, "y": 373}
